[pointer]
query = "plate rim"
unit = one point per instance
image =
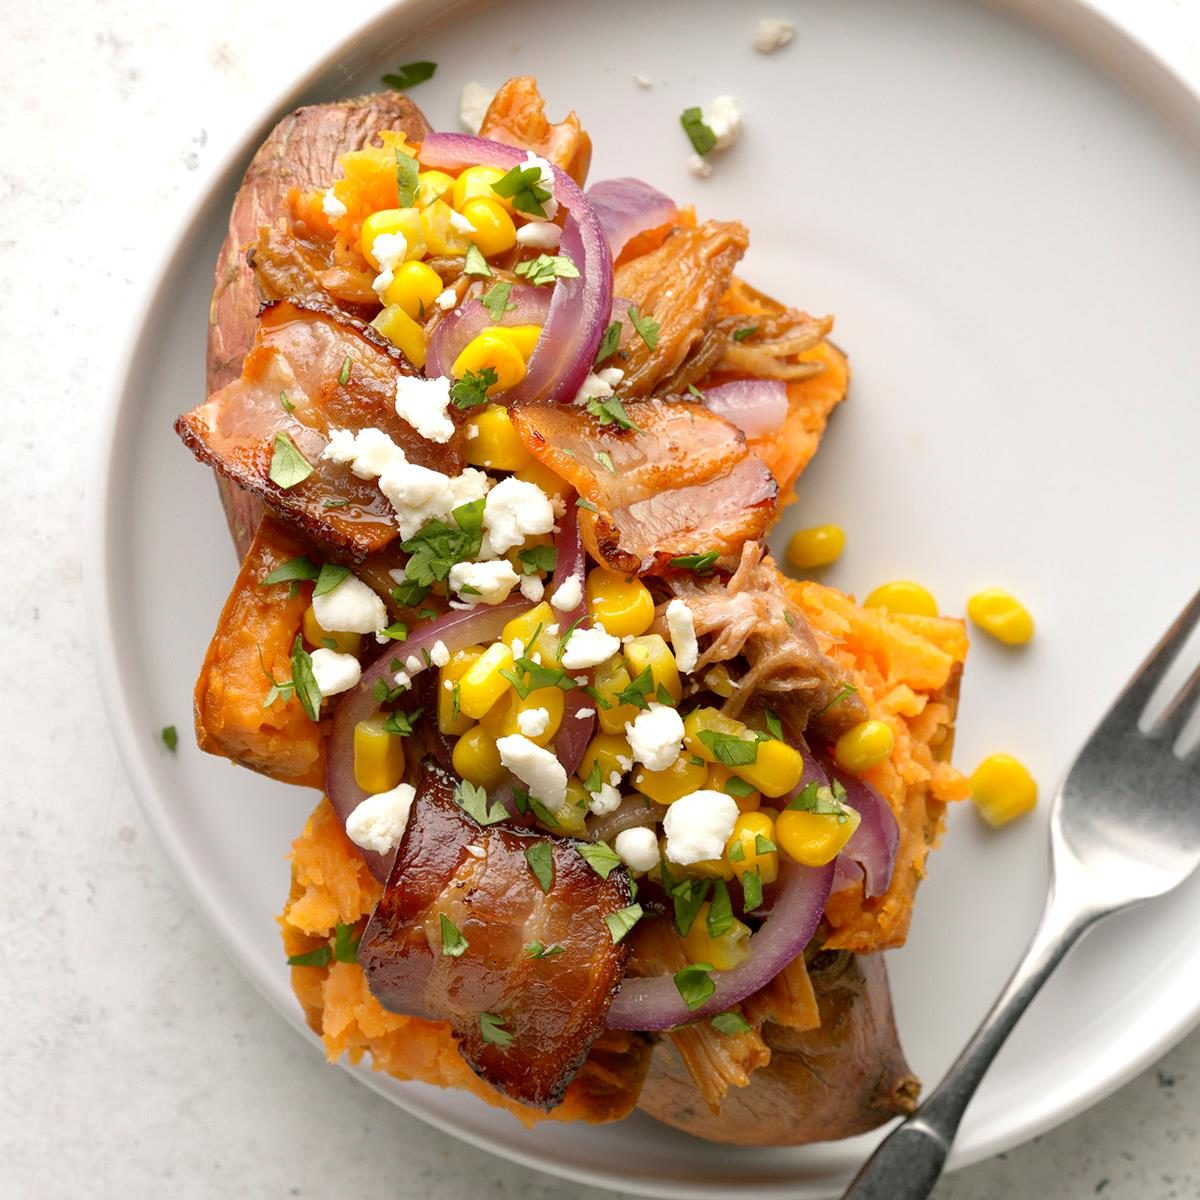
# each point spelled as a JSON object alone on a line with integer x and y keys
{"x": 1064, "y": 22}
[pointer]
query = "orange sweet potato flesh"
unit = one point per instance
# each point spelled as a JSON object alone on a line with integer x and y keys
{"x": 254, "y": 635}
{"x": 517, "y": 117}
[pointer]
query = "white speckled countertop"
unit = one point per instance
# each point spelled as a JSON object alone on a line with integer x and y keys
{"x": 134, "y": 1059}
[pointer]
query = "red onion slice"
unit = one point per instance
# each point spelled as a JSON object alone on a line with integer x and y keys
{"x": 579, "y": 308}
{"x": 874, "y": 843}
{"x": 755, "y": 406}
{"x": 575, "y": 732}
{"x": 470, "y": 318}
{"x": 627, "y": 207}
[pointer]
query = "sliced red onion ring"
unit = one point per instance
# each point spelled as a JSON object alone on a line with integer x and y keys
{"x": 579, "y": 308}
{"x": 456, "y": 630}
{"x": 627, "y": 207}
{"x": 874, "y": 843}
{"x": 575, "y": 732}
{"x": 654, "y": 1003}
{"x": 755, "y": 406}
{"x": 470, "y": 318}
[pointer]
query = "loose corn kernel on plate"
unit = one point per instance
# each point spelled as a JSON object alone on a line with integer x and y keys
{"x": 997, "y": 436}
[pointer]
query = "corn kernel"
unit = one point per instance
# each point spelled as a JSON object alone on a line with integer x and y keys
{"x": 723, "y": 953}
{"x": 438, "y": 232}
{"x": 1002, "y": 789}
{"x": 488, "y": 350}
{"x": 622, "y": 603}
{"x": 609, "y": 750}
{"x": 524, "y": 626}
{"x": 482, "y": 684}
{"x": 523, "y": 338}
{"x": 681, "y": 778}
{"x": 316, "y": 635}
{"x": 1002, "y": 615}
{"x": 751, "y": 847}
{"x": 776, "y": 767}
{"x": 496, "y": 443}
{"x": 610, "y": 680}
{"x": 431, "y": 186}
{"x": 717, "y": 679}
{"x": 903, "y": 596}
{"x": 814, "y": 838}
{"x": 503, "y": 718}
{"x": 745, "y": 796}
{"x": 450, "y": 717}
{"x": 403, "y": 332}
{"x": 864, "y": 746}
{"x": 652, "y": 651}
{"x": 414, "y": 287}
{"x": 393, "y": 220}
{"x": 477, "y": 181}
{"x": 494, "y": 228}
{"x": 549, "y": 481}
{"x": 701, "y": 720}
{"x": 571, "y": 819}
{"x": 378, "y": 756}
{"x": 477, "y": 760}
{"x": 816, "y": 547}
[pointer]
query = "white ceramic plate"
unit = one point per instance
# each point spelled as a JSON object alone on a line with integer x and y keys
{"x": 1009, "y": 241}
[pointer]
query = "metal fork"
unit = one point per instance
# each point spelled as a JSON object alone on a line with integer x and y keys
{"x": 1124, "y": 827}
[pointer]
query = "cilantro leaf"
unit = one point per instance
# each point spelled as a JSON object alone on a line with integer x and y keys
{"x": 541, "y": 950}
{"x": 401, "y": 723}
{"x": 752, "y": 896}
{"x": 406, "y": 178}
{"x": 475, "y": 264}
{"x": 523, "y": 186}
{"x": 847, "y": 689}
{"x": 294, "y": 568}
{"x": 688, "y": 895}
{"x": 472, "y": 389}
{"x": 730, "y": 1023}
{"x": 473, "y": 800}
{"x": 546, "y": 268}
{"x": 344, "y": 373}
{"x": 728, "y": 748}
{"x": 538, "y": 558}
{"x": 825, "y": 801}
{"x": 329, "y": 578}
{"x": 605, "y": 460}
{"x": 314, "y": 958}
{"x": 288, "y": 406}
{"x": 170, "y": 737}
{"x": 409, "y": 75}
{"x": 647, "y": 327}
{"x": 720, "y": 910}
{"x": 496, "y": 299}
{"x": 740, "y": 335}
{"x": 540, "y": 857}
{"x": 438, "y": 545}
{"x": 609, "y": 410}
{"x": 774, "y": 725}
{"x": 288, "y": 466}
{"x": 702, "y": 138}
{"x": 397, "y": 631}
{"x": 600, "y": 857}
{"x": 734, "y": 786}
{"x": 763, "y": 844}
{"x": 638, "y": 690}
{"x": 304, "y": 682}
{"x": 492, "y": 1028}
{"x": 694, "y": 984}
{"x": 608, "y": 343}
{"x": 698, "y": 564}
{"x": 695, "y": 391}
{"x": 623, "y": 920}
{"x": 454, "y": 945}
{"x": 345, "y": 944}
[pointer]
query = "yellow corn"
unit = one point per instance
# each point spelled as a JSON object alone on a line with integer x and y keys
{"x": 482, "y": 684}
{"x": 523, "y": 626}
{"x": 494, "y": 228}
{"x": 489, "y": 350}
{"x": 776, "y": 768}
{"x": 816, "y": 547}
{"x": 610, "y": 680}
{"x": 609, "y": 750}
{"x": 622, "y": 603}
{"x": 751, "y": 847}
{"x": 414, "y": 287}
{"x": 717, "y": 679}
{"x": 549, "y": 481}
{"x": 1002, "y": 615}
{"x": 701, "y": 720}
{"x": 477, "y": 181}
{"x": 681, "y": 778}
{"x": 438, "y": 233}
{"x": 431, "y": 186}
{"x": 495, "y": 443}
{"x": 717, "y": 779}
{"x": 477, "y": 760}
{"x": 403, "y": 332}
{"x": 503, "y": 718}
{"x": 1002, "y": 788}
{"x": 652, "y": 651}
{"x": 863, "y": 746}
{"x": 316, "y": 635}
{"x": 378, "y": 756}
{"x": 724, "y": 952}
{"x": 571, "y": 818}
{"x": 523, "y": 338}
{"x": 393, "y": 220}
{"x": 451, "y": 718}
{"x": 814, "y": 838}
{"x": 903, "y": 596}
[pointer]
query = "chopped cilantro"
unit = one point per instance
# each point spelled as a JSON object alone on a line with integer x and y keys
{"x": 496, "y": 299}
{"x": 847, "y": 689}
{"x": 609, "y": 410}
{"x": 688, "y": 895}
{"x": 314, "y": 958}
{"x": 345, "y": 944}
{"x": 170, "y": 737}
{"x": 728, "y": 748}
{"x": 730, "y": 1023}
{"x": 471, "y": 390}
{"x": 492, "y": 1028}
{"x": 397, "y": 631}
{"x": 335, "y": 503}
{"x": 638, "y": 690}
{"x": 646, "y": 327}
{"x": 401, "y": 723}
{"x": 473, "y": 800}
{"x": 329, "y": 578}
{"x": 454, "y": 945}
{"x": 826, "y": 801}
{"x": 294, "y": 568}
{"x": 475, "y": 264}
{"x": 406, "y": 178}
{"x": 409, "y": 75}
{"x": 698, "y": 564}
{"x": 694, "y": 984}
{"x": 774, "y": 725}
{"x": 538, "y": 558}
{"x": 720, "y": 910}
{"x": 695, "y": 391}
{"x": 540, "y": 857}
{"x": 344, "y": 373}
{"x": 438, "y": 545}
{"x": 523, "y": 186}
{"x": 623, "y": 920}
{"x": 734, "y": 786}
{"x": 605, "y": 460}
{"x": 763, "y": 844}
{"x": 752, "y": 896}
{"x": 600, "y": 856}
{"x": 304, "y": 682}
{"x": 584, "y": 503}
{"x": 541, "y": 950}
{"x": 740, "y": 335}
{"x": 702, "y": 138}
{"x": 609, "y": 342}
{"x": 595, "y": 778}
{"x": 546, "y": 268}
{"x": 288, "y": 406}
{"x": 288, "y": 466}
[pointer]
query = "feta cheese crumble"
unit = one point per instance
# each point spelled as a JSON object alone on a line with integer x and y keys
{"x": 606, "y": 800}
{"x": 491, "y": 580}
{"x": 698, "y": 826}
{"x": 532, "y": 588}
{"x": 425, "y": 404}
{"x": 473, "y": 105}
{"x": 539, "y": 770}
{"x": 350, "y": 607}
{"x": 656, "y": 736}
{"x": 637, "y": 848}
{"x": 514, "y": 511}
{"x": 419, "y": 494}
{"x": 682, "y": 628}
{"x": 390, "y": 250}
{"x": 772, "y": 33}
{"x": 460, "y": 224}
{"x": 594, "y": 387}
{"x": 334, "y": 672}
{"x": 568, "y": 596}
{"x": 700, "y": 167}
{"x": 541, "y": 235}
{"x": 331, "y": 206}
{"x": 533, "y": 722}
{"x": 446, "y": 300}
{"x": 643, "y": 81}
{"x": 368, "y": 453}
{"x": 724, "y": 118}
{"x": 588, "y": 648}
{"x": 378, "y": 823}
{"x": 439, "y": 653}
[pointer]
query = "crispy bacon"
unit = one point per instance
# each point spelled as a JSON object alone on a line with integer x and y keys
{"x": 682, "y": 483}
{"x": 301, "y": 353}
{"x": 553, "y": 1008}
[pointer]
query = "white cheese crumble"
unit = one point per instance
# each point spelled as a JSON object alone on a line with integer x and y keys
{"x": 414, "y": 665}
{"x": 446, "y": 300}
{"x": 473, "y": 105}
{"x": 378, "y": 823}
{"x": 491, "y": 580}
{"x": 541, "y": 235}
{"x": 568, "y": 596}
{"x": 698, "y": 826}
{"x": 606, "y": 800}
{"x": 332, "y": 206}
{"x": 588, "y": 648}
{"x": 476, "y": 851}
{"x": 724, "y": 117}
{"x": 515, "y": 510}
{"x": 611, "y": 375}
{"x": 584, "y": 713}
{"x": 532, "y": 588}
{"x": 402, "y": 681}
{"x": 350, "y": 607}
{"x": 545, "y": 180}
{"x": 682, "y": 629}
{"x": 533, "y": 722}
{"x": 539, "y": 770}
{"x": 425, "y": 404}
{"x": 643, "y": 81}
{"x": 772, "y": 33}
{"x": 656, "y": 736}
{"x": 419, "y": 494}
{"x": 334, "y": 672}
{"x": 637, "y": 848}
{"x": 700, "y": 167}
{"x": 369, "y": 452}
{"x": 460, "y": 224}
{"x": 594, "y": 387}
{"x": 439, "y": 653}
{"x": 390, "y": 250}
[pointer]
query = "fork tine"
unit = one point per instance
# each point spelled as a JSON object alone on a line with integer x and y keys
{"x": 1175, "y": 716}
{"x": 1137, "y": 692}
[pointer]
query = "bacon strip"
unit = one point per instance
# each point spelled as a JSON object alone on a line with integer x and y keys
{"x": 552, "y": 1007}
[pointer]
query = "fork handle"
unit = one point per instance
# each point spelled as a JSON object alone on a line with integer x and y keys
{"x": 908, "y": 1163}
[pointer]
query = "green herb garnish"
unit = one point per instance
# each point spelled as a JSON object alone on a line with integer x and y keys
{"x": 345, "y": 944}
{"x": 600, "y": 856}
{"x": 605, "y": 460}
{"x": 623, "y": 920}
{"x": 609, "y": 410}
{"x": 695, "y": 391}
{"x": 496, "y": 299}
{"x": 304, "y": 683}
{"x": 473, "y": 800}
{"x": 546, "y": 268}
{"x": 698, "y": 564}
{"x": 702, "y": 138}
{"x": 409, "y": 75}
{"x": 774, "y": 725}
{"x": 752, "y": 896}
{"x": 397, "y": 631}
{"x": 609, "y": 342}
{"x": 344, "y": 373}
{"x": 288, "y": 466}
{"x": 540, "y": 857}
{"x": 472, "y": 389}
{"x": 541, "y": 950}
{"x": 401, "y": 723}
{"x": 847, "y": 689}
{"x": 294, "y": 568}
{"x": 720, "y": 910}
{"x": 314, "y": 958}
{"x": 734, "y": 786}
{"x": 170, "y": 737}
{"x": 730, "y": 1023}
{"x": 695, "y": 984}
{"x": 740, "y": 335}
{"x": 688, "y": 895}
{"x": 406, "y": 178}
{"x": 454, "y": 945}
{"x": 728, "y": 748}
{"x": 523, "y": 186}
{"x": 492, "y": 1028}
{"x": 475, "y": 264}
{"x": 288, "y": 406}
{"x": 329, "y": 578}
{"x": 647, "y": 327}
{"x": 538, "y": 558}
